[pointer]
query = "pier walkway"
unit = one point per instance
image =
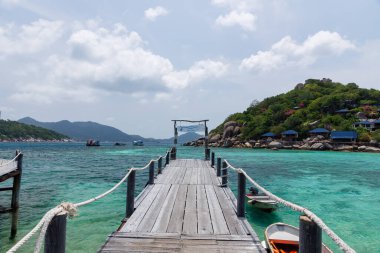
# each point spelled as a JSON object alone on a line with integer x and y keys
{"x": 185, "y": 210}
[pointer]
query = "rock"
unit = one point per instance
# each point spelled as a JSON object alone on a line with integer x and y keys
{"x": 236, "y": 131}
{"x": 296, "y": 146}
{"x": 344, "y": 148}
{"x": 372, "y": 149}
{"x": 317, "y": 146}
{"x": 214, "y": 138}
{"x": 230, "y": 123}
{"x": 299, "y": 86}
{"x": 228, "y": 132}
{"x": 362, "y": 148}
{"x": 248, "y": 145}
{"x": 227, "y": 143}
{"x": 275, "y": 144}
{"x": 257, "y": 145}
{"x": 328, "y": 146}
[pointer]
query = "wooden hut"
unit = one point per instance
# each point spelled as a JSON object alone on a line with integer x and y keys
{"x": 343, "y": 136}
{"x": 289, "y": 135}
{"x": 319, "y": 131}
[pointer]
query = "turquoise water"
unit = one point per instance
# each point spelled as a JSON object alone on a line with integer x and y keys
{"x": 342, "y": 188}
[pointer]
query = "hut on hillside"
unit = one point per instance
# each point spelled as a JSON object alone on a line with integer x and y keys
{"x": 364, "y": 124}
{"x": 289, "y": 135}
{"x": 343, "y": 136}
{"x": 319, "y": 131}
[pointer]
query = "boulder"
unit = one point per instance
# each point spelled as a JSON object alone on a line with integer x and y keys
{"x": 248, "y": 145}
{"x": 344, "y": 148}
{"x": 362, "y": 148}
{"x": 236, "y": 131}
{"x": 227, "y": 143}
{"x": 317, "y": 146}
{"x": 328, "y": 146}
{"x": 228, "y": 132}
{"x": 214, "y": 138}
{"x": 229, "y": 124}
{"x": 275, "y": 144}
{"x": 257, "y": 145}
{"x": 372, "y": 149}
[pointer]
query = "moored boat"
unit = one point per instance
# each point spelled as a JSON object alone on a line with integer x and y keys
{"x": 138, "y": 143}
{"x": 92, "y": 143}
{"x": 261, "y": 201}
{"x": 284, "y": 238}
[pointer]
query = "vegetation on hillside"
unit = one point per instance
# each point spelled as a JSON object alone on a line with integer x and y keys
{"x": 309, "y": 105}
{"x": 13, "y": 130}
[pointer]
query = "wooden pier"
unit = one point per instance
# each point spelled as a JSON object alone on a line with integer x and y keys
{"x": 185, "y": 210}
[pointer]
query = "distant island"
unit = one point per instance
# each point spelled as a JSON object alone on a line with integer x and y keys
{"x": 85, "y": 130}
{"x": 13, "y": 131}
{"x": 293, "y": 119}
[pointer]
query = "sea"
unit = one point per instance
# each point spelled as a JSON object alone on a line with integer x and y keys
{"x": 342, "y": 188}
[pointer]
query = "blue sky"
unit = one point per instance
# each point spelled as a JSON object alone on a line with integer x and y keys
{"x": 136, "y": 65}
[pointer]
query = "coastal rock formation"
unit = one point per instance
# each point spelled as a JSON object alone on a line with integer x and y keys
{"x": 275, "y": 144}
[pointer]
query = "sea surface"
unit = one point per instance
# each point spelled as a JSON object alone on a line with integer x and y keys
{"x": 341, "y": 188}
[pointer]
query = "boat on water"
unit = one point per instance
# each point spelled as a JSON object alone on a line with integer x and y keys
{"x": 92, "y": 143}
{"x": 138, "y": 143}
{"x": 120, "y": 144}
{"x": 284, "y": 238}
{"x": 261, "y": 201}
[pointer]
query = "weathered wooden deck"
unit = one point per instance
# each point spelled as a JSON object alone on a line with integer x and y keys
{"x": 185, "y": 211}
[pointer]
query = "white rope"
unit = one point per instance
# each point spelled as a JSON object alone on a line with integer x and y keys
{"x": 344, "y": 246}
{"x": 10, "y": 161}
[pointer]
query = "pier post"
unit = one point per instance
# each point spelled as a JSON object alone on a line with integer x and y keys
{"x": 131, "y": 194}
{"x": 167, "y": 158}
{"x": 241, "y": 195}
{"x": 224, "y": 174}
{"x": 218, "y": 166}
{"x": 151, "y": 173}
{"x": 14, "y": 224}
{"x": 212, "y": 159}
{"x": 17, "y": 182}
{"x": 207, "y": 154}
{"x": 159, "y": 165}
{"x": 173, "y": 153}
{"x": 310, "y": 238}
{"x": 55, "y": 239}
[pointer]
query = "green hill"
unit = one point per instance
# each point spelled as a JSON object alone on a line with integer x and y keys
{"x": 313, "y": 104}
{"x": 13, "y": 130}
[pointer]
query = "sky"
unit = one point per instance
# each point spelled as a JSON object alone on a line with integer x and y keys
{"x": 136, "y": 65}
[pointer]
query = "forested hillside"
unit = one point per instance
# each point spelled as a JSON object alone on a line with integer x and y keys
{"x": 15, "y": 131}
{"x": 315, "y": 103}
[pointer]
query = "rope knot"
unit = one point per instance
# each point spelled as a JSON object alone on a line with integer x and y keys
{"x": 69, "y": 208}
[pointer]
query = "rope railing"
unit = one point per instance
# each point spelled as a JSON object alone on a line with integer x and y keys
{"x": 67, "y": 208}
{"x": 342, "y": 244}
{"x": 10, "y": 161}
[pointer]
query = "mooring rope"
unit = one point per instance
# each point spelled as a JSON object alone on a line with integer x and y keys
{"x": 65, "y": 207}
{"x": 10, "y": 161}
{"x": 342, "y": 244}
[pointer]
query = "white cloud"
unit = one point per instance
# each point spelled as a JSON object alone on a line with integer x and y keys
{"x": 30, "y": 38}
{"x": 288, "y": 52}
{"x": 94, "y": 61}
{"x": 200, "y": 71}
{"x": 153, "y": 13}
{"x": 244, "y": 19}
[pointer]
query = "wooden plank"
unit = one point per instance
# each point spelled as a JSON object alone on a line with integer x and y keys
{"x": 140, "y": 212}
{"x": 180, "y": 177}
{"x": 187, "y": 178}
{"x": 217, "y": 219}
{"x": 176, "y": 219}
{"x": 143, "y": 194}
{"x": 203, "y": 212}
{"x": 163, "y": 218}
{"x": 190, "y": 218}
{"x": 233, "y": 223}
{"x": 150, "y": 217}
{"x": 194, "y": 176}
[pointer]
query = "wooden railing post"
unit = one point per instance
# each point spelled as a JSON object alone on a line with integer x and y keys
{"x": 207, "y": 154}
{"x": 224, "y": 174}
{"x": 173, "y": 153}
{"x": 310, "y": 237}
{"x": 55, "y": 239}
{"x": 241, "y": 195}
{"x": 212, "y": 159}
{"x": 17, "y": 182}
{"x": 130, "y": 208}
{"x": 167, "y": 158}
{"x": 159, "y": 165}
{"x": 151, "y": 173}
{"x": 218, "y": 166}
